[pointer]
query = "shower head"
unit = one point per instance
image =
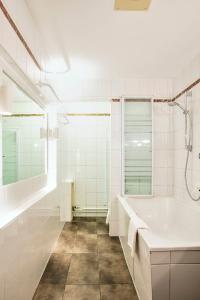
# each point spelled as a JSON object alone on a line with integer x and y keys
{"x": 174, "y": 103}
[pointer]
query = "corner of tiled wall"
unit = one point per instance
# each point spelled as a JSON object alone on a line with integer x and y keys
{"x": 116, "y": 169}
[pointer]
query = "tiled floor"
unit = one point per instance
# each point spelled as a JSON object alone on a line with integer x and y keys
{"x": 87, "y": 264}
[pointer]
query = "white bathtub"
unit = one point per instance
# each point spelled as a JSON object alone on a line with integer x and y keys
{"x": 166, "y": 265}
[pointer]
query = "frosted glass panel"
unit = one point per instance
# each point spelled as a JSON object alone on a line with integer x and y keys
{"x": 137, "y": 147}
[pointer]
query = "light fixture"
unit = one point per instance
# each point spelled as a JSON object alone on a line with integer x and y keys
{"x": 132, "y": 4}
{"x": 55, "y": 65}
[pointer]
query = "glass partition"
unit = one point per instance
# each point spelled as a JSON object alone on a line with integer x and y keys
{"x": 137, "y": 140}
{"x": 23, "y": 142}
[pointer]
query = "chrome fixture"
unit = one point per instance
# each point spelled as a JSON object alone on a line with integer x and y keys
{"x": 174, "y": 103}
{"x": 188, "y": 132}
{"x": 188, "y": 138}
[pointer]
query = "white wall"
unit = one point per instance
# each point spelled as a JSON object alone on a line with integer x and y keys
{"x": 105, "y": 89}
{"x": 190, "y": 74}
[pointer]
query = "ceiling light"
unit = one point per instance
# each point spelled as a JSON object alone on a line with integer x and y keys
{"x": 55, "y": 65}
{"x": 132, "y": 4}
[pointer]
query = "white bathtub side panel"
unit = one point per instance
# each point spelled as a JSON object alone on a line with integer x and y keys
{"x": 161, "y": 282}
{"x": 25, "y": 247}
{"x": 139, "y": 266}
{"x": 142, "y": 271}
{"x": 123, "y": 236}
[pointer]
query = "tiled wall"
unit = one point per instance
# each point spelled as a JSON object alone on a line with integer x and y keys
{"x": 190, "y": 74}
{"x": 162, "y": 150}
{"x": 105, "y": 89}
{"x": 83, "y": 154}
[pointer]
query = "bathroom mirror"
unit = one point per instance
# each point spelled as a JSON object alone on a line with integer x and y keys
{"x": 137, "y": 146}
{"x": 23, "y": 139}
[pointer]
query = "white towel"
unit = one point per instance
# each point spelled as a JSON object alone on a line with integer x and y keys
{"x": 108, "y": 217}
{"x": 134, "y": 225}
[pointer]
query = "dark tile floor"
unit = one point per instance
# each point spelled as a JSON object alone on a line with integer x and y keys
{"x": 86, "y": 264}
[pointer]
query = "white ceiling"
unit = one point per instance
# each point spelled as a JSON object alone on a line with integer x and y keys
{"x": 102, "y": 43}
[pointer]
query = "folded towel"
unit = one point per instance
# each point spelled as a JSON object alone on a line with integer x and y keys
{"x": 108, "y": 217}
{"x": 134, "y": 225}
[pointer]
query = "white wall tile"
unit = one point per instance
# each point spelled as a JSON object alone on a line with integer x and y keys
{"x": 85, "y": 143}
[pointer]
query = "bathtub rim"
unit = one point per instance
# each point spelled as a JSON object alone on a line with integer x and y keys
{"x": 153, "y": 242}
